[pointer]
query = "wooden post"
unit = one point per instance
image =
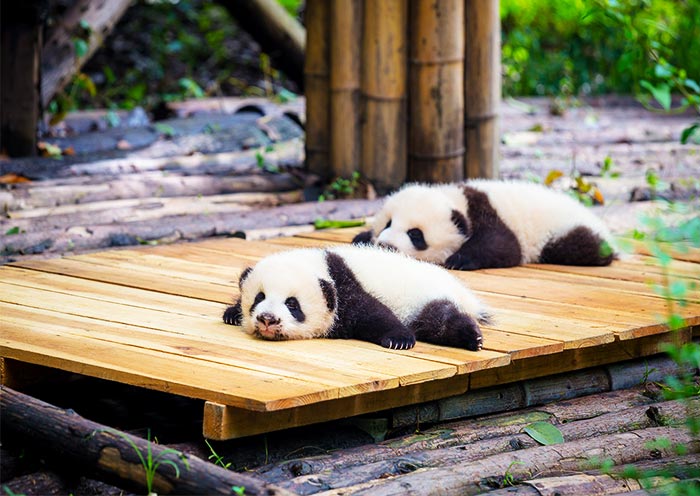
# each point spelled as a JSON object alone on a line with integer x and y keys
{"x": 316, "y": 68}
{"x": 384, "y": 60}
{"x": 345, "y": 43}
{"x": 20, "y": 65}
{"x": 436, "y": 128}
{"x": 482, "y": 86}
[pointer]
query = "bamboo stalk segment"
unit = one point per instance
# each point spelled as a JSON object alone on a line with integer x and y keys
{"x": 316, "y": 91}
{"x": 436, "y": 72}
{"x": 344, "y": 85}
{"x": 384, "y": 92}
{"x": 482, "y": 87}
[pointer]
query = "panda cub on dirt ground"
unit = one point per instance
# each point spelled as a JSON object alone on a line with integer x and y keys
{"x": 486, "y": 223}
{"x": 353, "y": 292}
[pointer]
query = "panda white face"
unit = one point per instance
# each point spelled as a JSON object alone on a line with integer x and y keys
{"x": 284, "y": 298}
{"x": 420, "y": 222}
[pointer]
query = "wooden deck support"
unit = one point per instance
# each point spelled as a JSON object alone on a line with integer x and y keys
{"x": 20, "y": 65}
{"x": 430, "y": 89}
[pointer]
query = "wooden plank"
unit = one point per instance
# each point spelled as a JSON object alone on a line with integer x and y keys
{"x": 339, "y": 357}
{"x": 300, "y": 242}
{"x": 343, "y": 235}
{"x": 582, "y": 280}
{"x": 223, "y": 422}
{"x": 593, "y": 297}
{"x": 578, "y": 359}
{"x": 201, "y": 290}
{"x": 679, "y": 250}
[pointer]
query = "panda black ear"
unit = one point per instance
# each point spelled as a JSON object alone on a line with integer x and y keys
{"x": 246, "y": 272}
{"x": 364, "y": 238}
{"x": 460, "y": 222}
{"x": 329, "y": 294}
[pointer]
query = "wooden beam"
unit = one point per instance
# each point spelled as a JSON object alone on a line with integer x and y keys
{"x": 20, "y": 65}
{"x": 482, "y": 87}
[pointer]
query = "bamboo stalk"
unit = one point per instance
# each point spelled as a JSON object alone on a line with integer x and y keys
{"x": 345, "y": 43}
{"x": 482, "y": 86}
{"x": 436, "y": 127}
{"x": 384, "y": 91}
{"x": 316, "y": 71}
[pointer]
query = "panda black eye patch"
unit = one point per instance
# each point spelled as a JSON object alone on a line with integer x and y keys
{"x": 416, "y": 237}
{"x": 258, "y": 298}
{"x": 294, "y": 308}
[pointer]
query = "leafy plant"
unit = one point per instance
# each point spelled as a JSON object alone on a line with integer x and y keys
{"x": 149, "y": 462}
{"x": 218, "y": 460}
{"x": 581, "y": 188}
{"x": 508, "y": 477}
{"x": 341, "y": 187}
{"x": 262, "y": 161}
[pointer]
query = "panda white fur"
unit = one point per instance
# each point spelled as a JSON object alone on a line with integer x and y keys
{"x": 364, "y": 293}
{"x": 488, "y": 223}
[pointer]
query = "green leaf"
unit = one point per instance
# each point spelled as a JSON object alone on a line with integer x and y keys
{"x": 11, "y": 231}
{"x": 80, "y": 46}
{"x": 662, "y": 93}
{"x": 544, "y": 433}
{"x": 692, "y": 85}
{"x": 327, "y": 224}
{"x": 688, "y": 132}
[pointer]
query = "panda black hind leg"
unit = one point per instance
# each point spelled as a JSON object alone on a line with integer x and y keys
{"x": 441, "y": 322}
{"x": 580, "y": 246}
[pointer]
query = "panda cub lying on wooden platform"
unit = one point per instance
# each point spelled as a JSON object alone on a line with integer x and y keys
{"x": 484, "y": 223}
{"x": 354, "y": 292}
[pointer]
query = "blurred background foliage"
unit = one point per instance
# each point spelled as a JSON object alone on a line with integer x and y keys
{"x": 166, "y": 50}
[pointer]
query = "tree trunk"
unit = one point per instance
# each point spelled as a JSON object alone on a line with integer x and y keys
{"x": 344, "y": 85}
{"x": 316, "y": 74}
{"x": 482, "y": 87}
{"x": 20, "y": 69}
{"x": 436, "y": 143}
{"x": 60, "y": 62}
{"x": 112, "y": 454}
{"x": 279, "y": 34}
{"x": 384, "y": 91}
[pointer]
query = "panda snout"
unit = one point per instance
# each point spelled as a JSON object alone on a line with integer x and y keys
{"x": 387, "y": 246}
{"x": 268, "y": 319}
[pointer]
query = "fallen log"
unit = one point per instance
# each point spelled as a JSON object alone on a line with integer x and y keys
{"x": 455, "y": 433}
{"x": 59, "y": 60}
{"x": 152, "y": 209}
{"x": 633, "y": 419}
{"x": 54, "y": 196}
{"x": 474, "y": 477}
{"x": 111, "y": 454}
{"x": 183, "y": 227}
{"x": 285, "y": 154}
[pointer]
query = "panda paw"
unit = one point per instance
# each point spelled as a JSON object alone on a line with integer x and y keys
{"x": 458, "y": 262}
{"x": 233, "y": 315}
{"x": 398, "y": 342}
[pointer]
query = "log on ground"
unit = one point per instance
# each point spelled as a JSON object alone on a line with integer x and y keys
{"x": 112, "y": 454}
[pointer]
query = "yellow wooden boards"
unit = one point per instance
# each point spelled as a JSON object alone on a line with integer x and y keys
{"x": 151, "y": 317}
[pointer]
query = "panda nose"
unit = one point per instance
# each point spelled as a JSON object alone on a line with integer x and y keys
{"x": 268, "y": 319}
{"x": 387, "y": 246}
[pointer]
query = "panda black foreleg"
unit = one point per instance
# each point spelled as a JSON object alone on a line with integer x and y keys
{"x": 490, "y": 249}
{"x": 233, "y": 314}
{"x": 364, "y": 238}
{"x": 441, "y": 322}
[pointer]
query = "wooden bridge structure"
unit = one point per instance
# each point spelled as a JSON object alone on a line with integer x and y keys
{"x": 151, "y": 317}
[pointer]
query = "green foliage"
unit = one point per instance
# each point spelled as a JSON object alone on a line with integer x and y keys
{"x": 341, "y": 187}
{"x": 218, "y": 460}
{"x": 508, "y": 478}
{"x": 149, "y": 462}
{"x": 594, "y": 46}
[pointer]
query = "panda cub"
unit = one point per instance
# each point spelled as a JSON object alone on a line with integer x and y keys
{"x": 487, "y": 223}
{"x": 353, "y": 292}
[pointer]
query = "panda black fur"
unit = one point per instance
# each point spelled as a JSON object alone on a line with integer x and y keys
{"x": 486, "y": 223}
{"x": 364, "y": 293}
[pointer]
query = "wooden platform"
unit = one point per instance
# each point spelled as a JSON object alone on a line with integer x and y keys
{"x": 151, "y": 317}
